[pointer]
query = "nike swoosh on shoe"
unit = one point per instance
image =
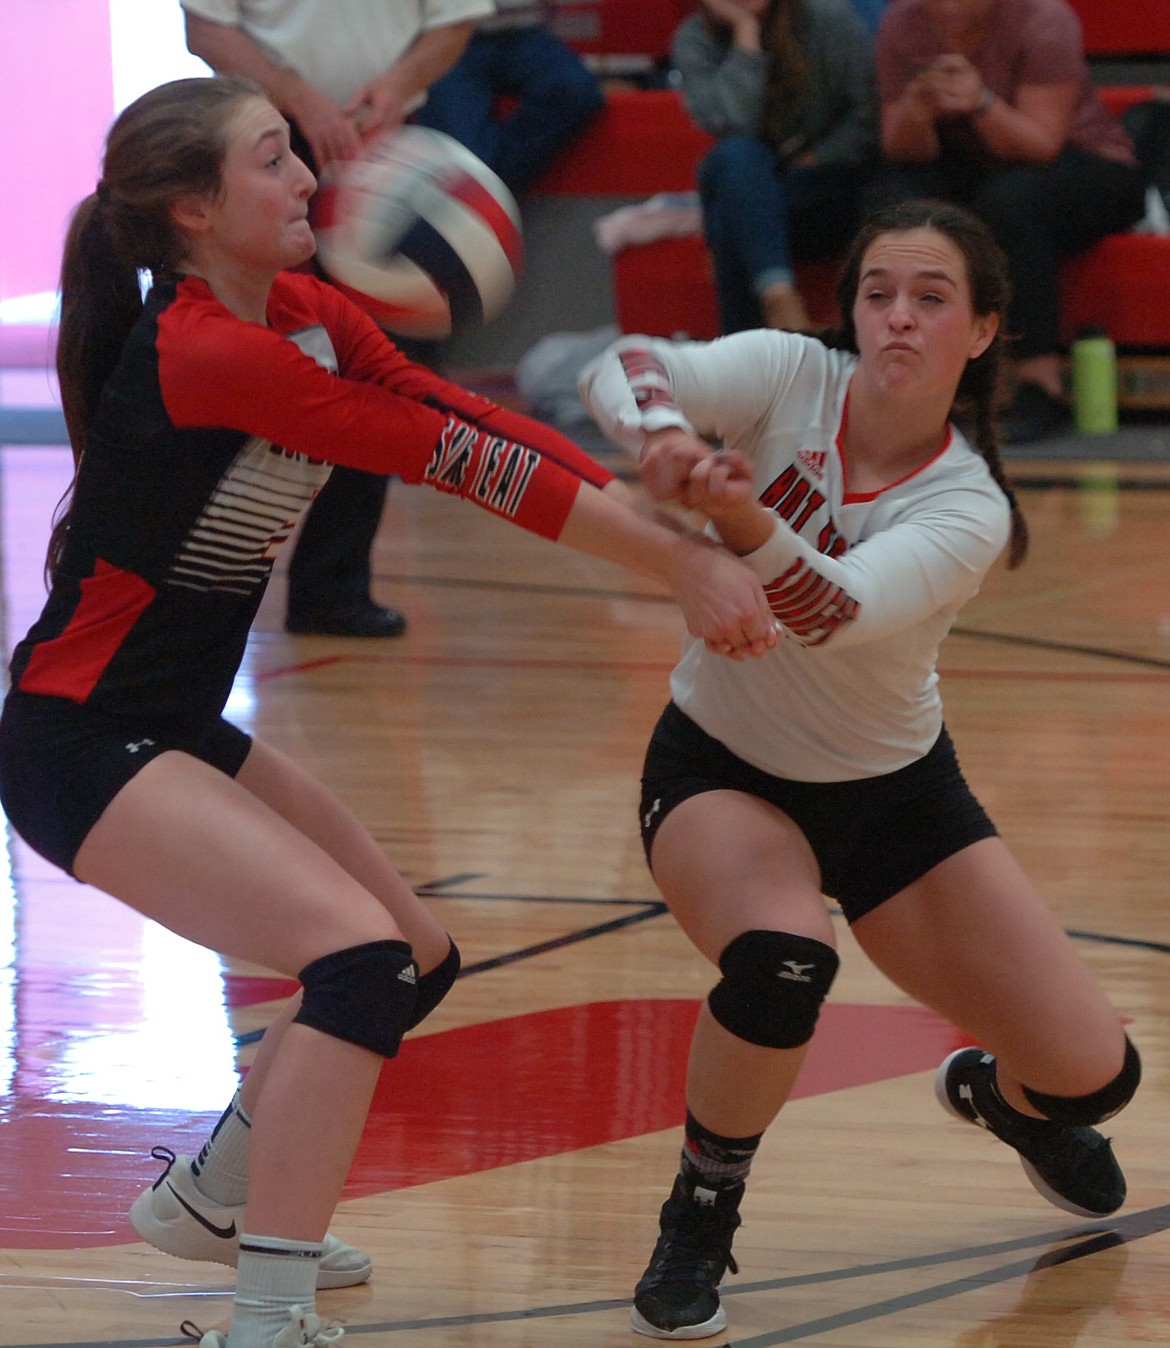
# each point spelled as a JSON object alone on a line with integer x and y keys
{"x": 223, "y": 1232}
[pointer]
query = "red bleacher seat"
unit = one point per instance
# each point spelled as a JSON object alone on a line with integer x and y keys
{"x": 642, "y": 143}
{"x": 1125, "y": 27}
{"x": 608, "y": 28}
{"x": 665, "y": 289}
{"x": 1122, "y": 283}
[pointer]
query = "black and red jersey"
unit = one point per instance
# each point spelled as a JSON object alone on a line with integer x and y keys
{"x": 210, "y": 440}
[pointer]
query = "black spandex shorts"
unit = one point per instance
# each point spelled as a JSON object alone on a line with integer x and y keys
{"x": 61, "y": 765}
{"x": 871, "y": 837}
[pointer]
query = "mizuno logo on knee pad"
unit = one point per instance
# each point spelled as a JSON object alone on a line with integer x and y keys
{"x": 795, "y": 971}
{"x": 772, "y": 987}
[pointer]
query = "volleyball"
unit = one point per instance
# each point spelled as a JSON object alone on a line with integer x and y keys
{"x": 420, "y": 233}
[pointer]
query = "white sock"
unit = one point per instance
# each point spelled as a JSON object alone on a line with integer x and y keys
{"x": 220, "y": 1170}
{"x": 273, "y": 1276}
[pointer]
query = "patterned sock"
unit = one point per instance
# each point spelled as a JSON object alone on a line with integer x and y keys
{"x": 715, "y": 1162}
{"x": 220, "y": 1170}
{"x": 273, "y": 1276}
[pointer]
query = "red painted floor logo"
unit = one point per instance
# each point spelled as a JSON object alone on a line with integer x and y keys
{"x": 453, "y": 1103}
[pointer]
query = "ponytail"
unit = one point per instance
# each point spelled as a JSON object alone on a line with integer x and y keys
{"x": 100, "y": 303}
{"x": 979, "y": 394}
{"x": 167, "y": 144}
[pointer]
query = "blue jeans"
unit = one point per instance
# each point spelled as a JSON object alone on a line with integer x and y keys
{"x": 760, "y": 217}
{"x": 557, "y": 96}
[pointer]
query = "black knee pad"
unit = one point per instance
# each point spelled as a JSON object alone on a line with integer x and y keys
{"x": 772, "y": 987}
{"x": 364, "y": 995}
{"x": 434, "y": 985}
{"x": 1082, "y": 1111}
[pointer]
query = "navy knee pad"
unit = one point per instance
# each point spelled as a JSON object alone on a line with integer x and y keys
{"x": 364, "y": 995}
{"x": 434, "y": 985}
{"x": 1080, "y": 1111}
{"x": 772, "y": 987}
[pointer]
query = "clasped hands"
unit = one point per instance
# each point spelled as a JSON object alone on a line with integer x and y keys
{"x": 949, "y": 85}
{"x": 676, "y": 466}
{"x": 336, "y": 132}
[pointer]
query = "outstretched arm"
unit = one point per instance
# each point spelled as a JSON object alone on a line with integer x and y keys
{"x": 219, "y": 372}
{"x": 930, "y": 563}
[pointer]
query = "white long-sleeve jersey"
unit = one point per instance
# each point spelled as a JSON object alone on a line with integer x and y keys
{"x": 865, "y": 586}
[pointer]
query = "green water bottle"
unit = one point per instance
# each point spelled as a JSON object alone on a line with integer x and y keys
{"x": 1094, "y": 382}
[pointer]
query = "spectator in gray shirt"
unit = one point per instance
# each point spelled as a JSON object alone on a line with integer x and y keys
{"x": 788, "y": 88}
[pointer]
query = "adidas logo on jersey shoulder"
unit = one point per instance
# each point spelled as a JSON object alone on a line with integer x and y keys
{"x": 814, "y": 461}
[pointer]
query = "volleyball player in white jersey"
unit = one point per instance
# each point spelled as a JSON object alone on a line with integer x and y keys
{"x": 824, "y": 769}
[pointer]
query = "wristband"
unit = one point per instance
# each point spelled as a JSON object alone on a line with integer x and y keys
{"x": 986, "y": 99}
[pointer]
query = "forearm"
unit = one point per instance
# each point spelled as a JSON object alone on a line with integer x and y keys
{"x": 427, "y": 59}
{"x": 1010, "y": 134}
{"x": 908, "y": 132}
{"x": 727, "y": 99}
{"x": 230, "y": 51}
{"x": 612, "y": 524}
{"x": 745, "y": 529}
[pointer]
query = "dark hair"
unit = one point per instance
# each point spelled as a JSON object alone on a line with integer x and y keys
{"x": 978, "y": 394}
{"x": 168, "y": 144}
{"x": 783, "y": 25}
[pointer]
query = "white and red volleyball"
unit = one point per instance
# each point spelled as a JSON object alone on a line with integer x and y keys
{"x": 420, "y": 233}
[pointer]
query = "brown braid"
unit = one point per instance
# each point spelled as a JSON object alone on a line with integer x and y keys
{"x": 978, "y": 394}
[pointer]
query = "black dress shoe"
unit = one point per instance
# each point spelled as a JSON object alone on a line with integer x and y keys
{"x": 1034, "y": 414}
{"x": 354, "y": 620}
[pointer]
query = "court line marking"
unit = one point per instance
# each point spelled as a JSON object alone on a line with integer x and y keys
{"x": 1093, "y": 1240}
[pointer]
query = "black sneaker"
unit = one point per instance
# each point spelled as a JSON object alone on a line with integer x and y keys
{"x": 350, "y": 620}
{"x": 1074, "y": 1168}
{"x": 678, "y": 1297}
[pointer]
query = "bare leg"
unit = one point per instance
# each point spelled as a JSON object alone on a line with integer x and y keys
{"x": 318, "y": 814}
{"x": 973, "y": 940}
{"x": 196, "y": 851}
{"x": 727, "y": 863}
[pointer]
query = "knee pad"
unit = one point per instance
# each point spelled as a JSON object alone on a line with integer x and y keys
{"x": 434, "y": 985}
{"x": 1081, "y": 1111}
{"x": 772, "y": 987}
{"x": 364, "y": 995}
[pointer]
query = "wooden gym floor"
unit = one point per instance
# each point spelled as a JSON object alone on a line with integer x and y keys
{"x": 509, "y": 1181}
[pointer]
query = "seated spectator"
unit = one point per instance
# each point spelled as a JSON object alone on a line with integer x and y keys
{"x": 788, "y": 88}
{"x": 513, "y": 55}
{"x": 990, "y": 103}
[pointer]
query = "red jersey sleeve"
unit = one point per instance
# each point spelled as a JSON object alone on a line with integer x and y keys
{"x": 366, "y": 353}
{"x": 218, "y": 371}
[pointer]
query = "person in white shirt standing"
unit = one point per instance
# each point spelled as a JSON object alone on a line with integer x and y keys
{"x": 825, "y": 768}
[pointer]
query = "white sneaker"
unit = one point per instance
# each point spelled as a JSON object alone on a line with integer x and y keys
{"x": 177, "y": 1219}
{"x": 305, "y": 1329}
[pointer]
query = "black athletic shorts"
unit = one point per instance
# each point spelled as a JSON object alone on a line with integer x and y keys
{"x": 871, "y": 837}
{"x": 61, "y": 764}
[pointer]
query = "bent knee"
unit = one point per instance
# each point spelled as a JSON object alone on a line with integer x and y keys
{"x": 1081, "y": 1111}
{"x": 364, "y": 995}
{"x": 772, "y": 988}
